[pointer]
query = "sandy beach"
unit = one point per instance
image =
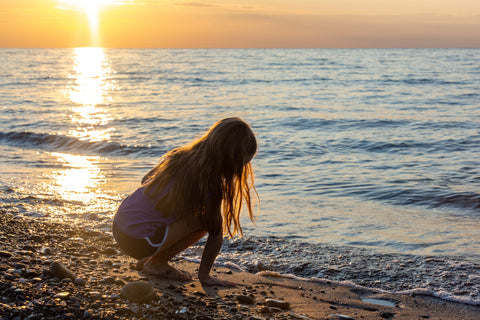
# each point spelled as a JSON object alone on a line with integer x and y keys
{"x": 58, "y": 271}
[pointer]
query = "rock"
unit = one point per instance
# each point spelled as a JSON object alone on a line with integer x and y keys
{"x": 92, "y": 249}
{"x": 95, "y": 295}
{"x": 5, "y": 254}
{"x": 108, "y": 280}
{"x": 62, "y": 295}
{"x": 275, "y": 310}
{"x": 266, "y": 310}
{"x": 294, "y": 315}
{"x": 284, "y": 305}
{"x": 109, "y": 252}
{"x": 35, "y": 238}
{"x": 339, "y": 317}
{"x": 19, "y": 266}
{"x": 243, "y": 299}
{"x": 387, "y": 315}
{"x": 199, "y": 293}
{"x": 9, "y": 276}
{"x": 46, "y": 251}
{"x": 31, "y": 274}
{"x": 60, "y": 271}
{"x": 120, "y": 282}
{"x": 80, "y": 282}
{"x": 29, "y": 248}
{"x": 138, "y": 291}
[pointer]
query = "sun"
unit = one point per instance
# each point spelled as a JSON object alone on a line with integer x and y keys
{"x": 91, "y": 8}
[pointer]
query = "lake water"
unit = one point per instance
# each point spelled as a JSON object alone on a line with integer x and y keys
{"x": 368, "y": 167}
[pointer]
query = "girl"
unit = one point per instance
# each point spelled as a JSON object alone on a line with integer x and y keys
{"x": 194, "y": 190}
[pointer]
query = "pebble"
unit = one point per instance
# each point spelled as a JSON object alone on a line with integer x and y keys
{"x": 62, "y": 295}
{"x": 266, "y": 310}
{"x": 284, "y": 305}
{"x": 35, "y": 238}
{"x": 138, "y": 291}
{"x": 298, "y": 316}
{"x": 60, "y": 271}
{"x": 46, "y": 251}
{"x": 243, "y": 299}
{"x": 110, "y": 252}
{"x": 29, "y": 248}
{"x": 95, "y": 295}
{"x": 199, "y": 293}
{"x": 30, "y": 274}
{"x": 108, "y": 280}
{"x": 19, "y": 266}
{"x": 9, "y": 276}
{"x": 339, "y": 317}
{"x": 5, "y": 254}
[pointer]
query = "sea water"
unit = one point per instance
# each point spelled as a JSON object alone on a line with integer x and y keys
{"x": 368, "y": 166}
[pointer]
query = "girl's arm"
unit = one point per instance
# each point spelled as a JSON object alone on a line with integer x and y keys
{"x": 212, "y": 248}
{"x": 213, "y": 224}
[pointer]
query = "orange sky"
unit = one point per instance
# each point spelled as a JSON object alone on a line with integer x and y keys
{"x": 241, "y": 23}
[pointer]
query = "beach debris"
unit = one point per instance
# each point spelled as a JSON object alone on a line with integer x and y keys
{"x": 138, "y": 291}
{"x": 243, "y": 299}
{"x": 284, "y": 305}
{"x": 60, "y": 271}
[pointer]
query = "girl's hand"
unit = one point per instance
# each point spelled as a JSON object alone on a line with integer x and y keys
{"x": 212, "y": 281}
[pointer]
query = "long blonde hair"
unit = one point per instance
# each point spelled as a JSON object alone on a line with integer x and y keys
{"x": 211, "y": 173}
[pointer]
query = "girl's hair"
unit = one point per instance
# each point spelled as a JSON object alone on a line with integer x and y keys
{"x": 210, "y": 177}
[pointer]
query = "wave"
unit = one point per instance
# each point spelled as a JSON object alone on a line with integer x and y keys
{"x": 407, "y": 146}
{"x": 56, "y": 142}
{"x": 303, "y": 123}
{"x": 423, "y": 81}
{"x": 421, "y": 196}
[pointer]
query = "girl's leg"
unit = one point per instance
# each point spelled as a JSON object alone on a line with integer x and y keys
{"x": 181, "y": 235}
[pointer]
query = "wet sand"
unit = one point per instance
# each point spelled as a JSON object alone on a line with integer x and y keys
{"x": 59, "y": 271}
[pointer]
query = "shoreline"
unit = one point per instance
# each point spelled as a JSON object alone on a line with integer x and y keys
{"x": 33, "y": 289}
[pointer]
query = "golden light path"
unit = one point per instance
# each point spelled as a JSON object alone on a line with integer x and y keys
{"x": 90, "y": 93}
{"x": 81, "y": 178}
{"x": 79, "y": 181}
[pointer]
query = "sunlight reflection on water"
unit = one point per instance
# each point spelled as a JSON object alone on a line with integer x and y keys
{"x": 79, "y": 181}
{"x": 82, "y": 179}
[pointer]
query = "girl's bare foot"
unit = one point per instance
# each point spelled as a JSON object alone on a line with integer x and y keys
{"x": 141, "y": 263}
{"x": 164, "y": 270}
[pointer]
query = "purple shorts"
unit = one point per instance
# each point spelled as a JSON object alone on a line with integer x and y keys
{"x": 140, "y": 248}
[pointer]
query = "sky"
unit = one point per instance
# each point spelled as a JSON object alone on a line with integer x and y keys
{"x": 240, "y": 23}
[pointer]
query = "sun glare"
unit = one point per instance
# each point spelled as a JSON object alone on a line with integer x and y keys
{"x": 91, "y": 8}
